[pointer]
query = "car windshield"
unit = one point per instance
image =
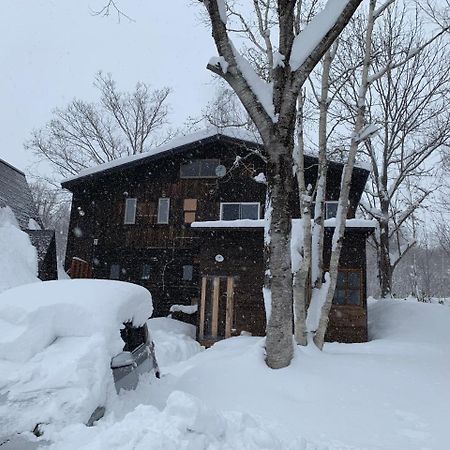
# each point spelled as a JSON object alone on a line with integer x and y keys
{"x": 133, "y": 336}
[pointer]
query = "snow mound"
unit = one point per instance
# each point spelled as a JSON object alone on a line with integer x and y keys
{"x": 389, "y": 393}
{"x": 174, "y": 341}
{"x": 18, "y": 258}
{"x": 56, "y": 345}
{"x": 34, "y": 315}
{"x": 184, "y": 424}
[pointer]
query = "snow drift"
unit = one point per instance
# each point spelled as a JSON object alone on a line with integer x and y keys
{"x": 56, "y": 345}
{"x": 18, "y": 258}
{"x": 33, "y": 316}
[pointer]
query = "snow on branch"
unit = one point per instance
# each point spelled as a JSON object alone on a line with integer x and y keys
{"x": 262, "y": 90}
{"x": 219, "y": 61}
{"x": 309, "y": 39}
{"x": 366, "y": 132}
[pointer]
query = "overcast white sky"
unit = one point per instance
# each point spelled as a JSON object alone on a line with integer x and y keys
{"x": 50, "y": 51}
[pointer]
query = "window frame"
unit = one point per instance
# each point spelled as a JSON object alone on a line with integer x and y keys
{"x": 347, "y": 288}
{"x": 326, "y": 203}
{"x": 119, "y": 271}
{"x": 199, "y": 161}
{"x": 144, "y": 276}
{"x": 158, "y": 217}
{"x": 191, "y": 272}
{"x": 131, "y": 200}
{"x": 239, "y": 203}
{"x": 331, "y": 202}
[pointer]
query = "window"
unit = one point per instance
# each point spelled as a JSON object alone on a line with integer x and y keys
{"x": 146, "y": 271}
{"x": 236, "y": 211}
{"x": 163, "y": 210}
{"x": 189, "y": 207}
{"x": 188, "y": 273}
{"x": 200, "y": 168}
{"x": 133, "y": 337}
{"x": 330, "y": 209}
{"x": 114, "y": 272}
{"x": 348, "y": 287}
{"x": 130, "y": 211}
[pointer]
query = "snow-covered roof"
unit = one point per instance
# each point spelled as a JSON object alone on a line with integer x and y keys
{"x": 243, "y": 223}
{"x": 199, "y": 136}
{"x": 179, "y": 144}
{"x": 15, "y": 193}
{"x": 249, "y": 223}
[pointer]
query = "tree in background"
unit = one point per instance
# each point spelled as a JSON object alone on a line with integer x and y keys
{"x": 54, "y": 210}
{"x": 83, "y": 134}
{"x": 409, "y": 88}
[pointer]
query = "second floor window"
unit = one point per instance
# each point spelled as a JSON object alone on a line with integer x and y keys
{"x": 163, "y": 210}
{"x": 236, "y": 211}
{"x": 330, "y": 209}
{"x": 200, "y": 168}
{"x": 130, "y": 211}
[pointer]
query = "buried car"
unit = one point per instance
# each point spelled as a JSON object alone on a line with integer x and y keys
{"x": 66, "y": 347}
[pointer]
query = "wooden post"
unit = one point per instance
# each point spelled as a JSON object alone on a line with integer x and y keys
{"x": 215, "y": 307}
{"x": 230, "y": 307}
{"x": 201, "y": 332}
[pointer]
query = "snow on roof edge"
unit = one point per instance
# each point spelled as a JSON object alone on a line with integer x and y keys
{"x": 171, "y": 145}
{"x": 207, "y": 133}
{"x": 251, "y": 223}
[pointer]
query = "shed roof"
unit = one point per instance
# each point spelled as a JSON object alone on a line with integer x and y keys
{"x": 249, "y": 223}
{"x": 15, "y": 193}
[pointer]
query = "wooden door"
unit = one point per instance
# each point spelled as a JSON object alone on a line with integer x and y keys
{"x": 216, "y": 319}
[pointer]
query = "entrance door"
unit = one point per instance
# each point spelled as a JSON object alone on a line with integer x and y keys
{"x": 216, "y": 308}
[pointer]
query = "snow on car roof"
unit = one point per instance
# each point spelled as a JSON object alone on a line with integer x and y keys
{"x": 32, "y": 316}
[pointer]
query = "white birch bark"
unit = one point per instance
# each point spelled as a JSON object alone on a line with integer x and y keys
{"x": 338, "y": 235}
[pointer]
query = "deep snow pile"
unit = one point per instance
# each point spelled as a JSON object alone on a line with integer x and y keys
{"x": 391, "y": 393}
{"x": 56, "y": 343}
{"x": 184, "y": 424}
{"x": 174, "y": 341}
{"x": 18, "y": 258}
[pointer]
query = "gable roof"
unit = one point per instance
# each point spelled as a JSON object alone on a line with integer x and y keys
{"x": 15, "y": 193}
{"x": 177, "y": 146}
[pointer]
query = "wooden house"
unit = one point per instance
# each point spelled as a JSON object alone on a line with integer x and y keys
{"x": 15, "y": 193}
{"x": 185, "y": 221}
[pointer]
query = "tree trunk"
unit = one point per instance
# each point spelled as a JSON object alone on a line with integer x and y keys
{"x": 341, "y": 216}
{"x": 279, "y": 342}
{"x": 384, "y": 260}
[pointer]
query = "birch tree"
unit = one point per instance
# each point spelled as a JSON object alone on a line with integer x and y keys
{"x": 273, "y": 108}
{"x": 408, "y": 88}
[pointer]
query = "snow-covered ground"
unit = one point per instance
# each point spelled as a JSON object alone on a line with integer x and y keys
{"x": 390, "y": 393}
